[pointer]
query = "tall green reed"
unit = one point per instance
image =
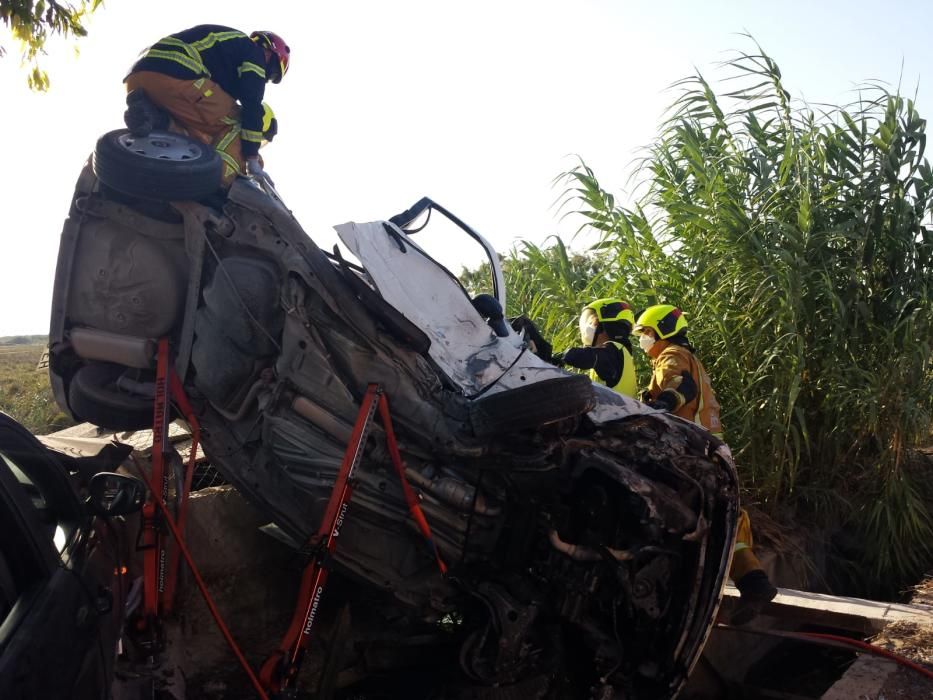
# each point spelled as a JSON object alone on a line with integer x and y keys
{"x": 793, "y": 239}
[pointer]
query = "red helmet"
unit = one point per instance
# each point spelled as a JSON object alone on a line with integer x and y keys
{"x": 276, "y": 44}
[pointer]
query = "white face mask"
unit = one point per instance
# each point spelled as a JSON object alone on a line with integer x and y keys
{"x": 588, "y": 324}
{"x": 645, "y": 342}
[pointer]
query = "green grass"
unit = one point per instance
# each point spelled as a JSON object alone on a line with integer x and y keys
{"x": 23, "y": 340}
{"x": 24, "y": 391}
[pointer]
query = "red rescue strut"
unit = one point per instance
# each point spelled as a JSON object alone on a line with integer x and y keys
{"x": 281, "y": 669}
{"x": 160, "y": 562}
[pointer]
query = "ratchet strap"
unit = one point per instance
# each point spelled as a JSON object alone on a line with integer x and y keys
{"x": 281, "y": 669}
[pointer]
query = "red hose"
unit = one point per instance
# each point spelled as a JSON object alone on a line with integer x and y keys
{"x": 836, "y": 640}
{"x": 871, "y": 649}
{"x": 201, "y": 585}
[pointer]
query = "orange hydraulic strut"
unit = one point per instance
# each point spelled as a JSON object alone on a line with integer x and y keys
{"x": 160, "y": 563}
{"x": 281, "y": 669}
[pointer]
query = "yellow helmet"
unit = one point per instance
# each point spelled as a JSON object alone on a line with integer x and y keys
{"x": 663, "y": 319}
{"x": 270, "y": 125}
{"x": 606, "y": 313}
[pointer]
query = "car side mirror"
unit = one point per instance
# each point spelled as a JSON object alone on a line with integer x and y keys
{"x": 115, "y": 494}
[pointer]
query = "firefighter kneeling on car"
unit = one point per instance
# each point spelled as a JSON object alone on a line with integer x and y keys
{"x": 680, "y": 385}
{"x": 211, "y": 80}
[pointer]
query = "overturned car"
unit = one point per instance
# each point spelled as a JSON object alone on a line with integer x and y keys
{"x": 587, "y": 536}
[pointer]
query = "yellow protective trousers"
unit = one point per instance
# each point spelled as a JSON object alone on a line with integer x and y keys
{"x": 201, "y": 109}
{"x": 743, "y": 557}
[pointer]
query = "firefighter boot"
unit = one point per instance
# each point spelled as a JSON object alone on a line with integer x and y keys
{"x": 755, "y": 589}
{"x": 142, "y": 115}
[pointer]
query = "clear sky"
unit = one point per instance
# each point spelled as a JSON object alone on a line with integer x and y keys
{"x": 476, "y": 104}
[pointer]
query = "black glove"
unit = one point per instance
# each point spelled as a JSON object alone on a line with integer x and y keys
{"x": 536, "y": 342}
{"x": 557, "y": 359}
{"x": 666, "y": 401}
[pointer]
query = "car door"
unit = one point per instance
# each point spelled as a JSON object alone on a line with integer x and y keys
{"x": 49, "y": 634}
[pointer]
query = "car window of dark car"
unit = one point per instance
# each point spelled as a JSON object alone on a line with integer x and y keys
{"x": 44, "y": 484}
{"x": 9, "y": 591}
{"x": 22, "y": 564}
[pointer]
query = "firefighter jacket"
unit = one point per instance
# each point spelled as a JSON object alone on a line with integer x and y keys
{"x": 610, "y": 363}
{"x": 676, "y": 372}
{"x": 228, "y": 57}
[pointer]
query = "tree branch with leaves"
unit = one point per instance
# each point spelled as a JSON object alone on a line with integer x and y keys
{"x": 31, "y": 23}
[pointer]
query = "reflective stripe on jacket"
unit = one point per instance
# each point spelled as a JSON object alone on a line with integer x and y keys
{"x": 228, "y": 57}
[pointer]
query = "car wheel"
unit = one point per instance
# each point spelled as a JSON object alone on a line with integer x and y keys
{"x": 533, "y": 405}
{"x": 94, "y": 396}
{"x": 162, "y": 166}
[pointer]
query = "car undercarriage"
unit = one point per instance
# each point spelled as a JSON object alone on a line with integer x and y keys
{"x": 587, "y": 536}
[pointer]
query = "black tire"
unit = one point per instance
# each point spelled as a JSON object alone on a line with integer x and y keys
{"x": 93, "y": 396}
{"x": 533, "y": 405}
{"x": 163, "y": 166}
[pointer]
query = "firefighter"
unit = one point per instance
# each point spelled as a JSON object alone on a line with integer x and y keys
{"x": 680, "y": 385}
{"x": 605, "y": 327}
{"x": 211, "y": 80}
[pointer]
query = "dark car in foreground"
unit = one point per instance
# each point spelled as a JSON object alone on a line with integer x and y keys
{"x": 64, "y": 557}
{"x": 588, "y": 537}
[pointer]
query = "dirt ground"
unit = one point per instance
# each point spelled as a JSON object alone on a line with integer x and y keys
{"x": 914, "y": 642}
{"x": 911, "y": 640}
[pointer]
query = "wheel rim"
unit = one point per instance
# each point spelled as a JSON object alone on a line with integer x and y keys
{"x": 161, "y": 146}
